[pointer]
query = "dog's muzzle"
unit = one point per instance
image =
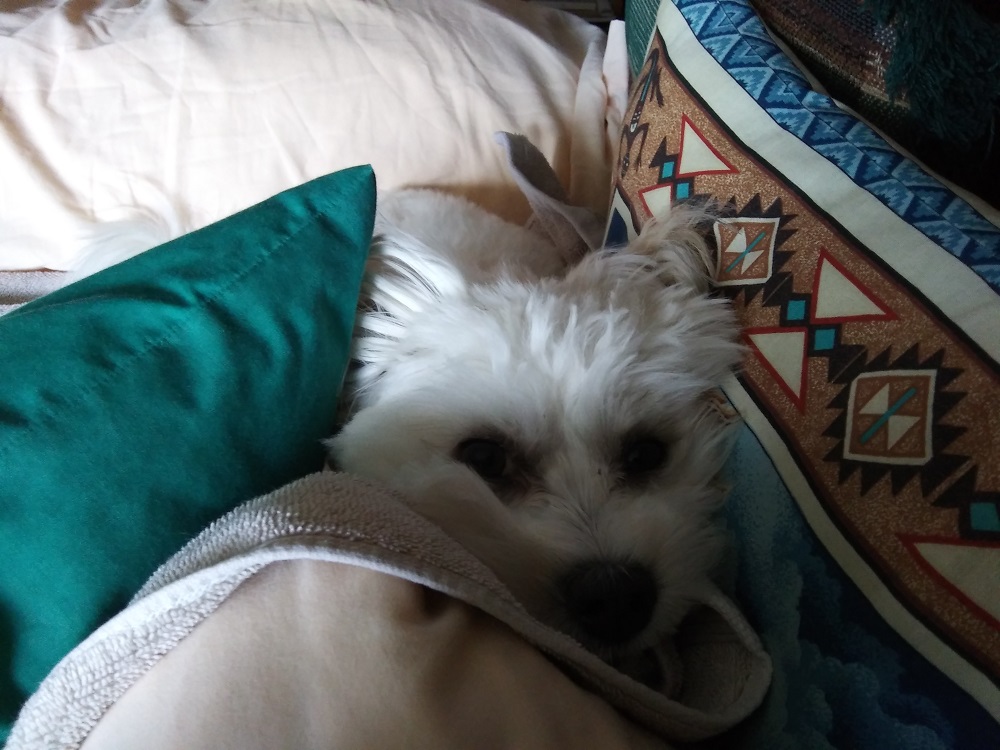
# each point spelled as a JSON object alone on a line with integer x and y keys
{"x": 610, "y": 601}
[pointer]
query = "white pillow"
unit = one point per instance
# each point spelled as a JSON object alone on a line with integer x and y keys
{"x": 150, "y": 120}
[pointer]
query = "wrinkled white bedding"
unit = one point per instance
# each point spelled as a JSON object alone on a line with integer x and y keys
{"x": 129, "y": 124}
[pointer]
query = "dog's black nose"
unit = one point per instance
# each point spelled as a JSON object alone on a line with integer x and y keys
{"x": 611, "y": 602}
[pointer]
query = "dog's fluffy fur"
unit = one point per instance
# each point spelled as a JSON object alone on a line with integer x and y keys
{"x": 476, "y": 329}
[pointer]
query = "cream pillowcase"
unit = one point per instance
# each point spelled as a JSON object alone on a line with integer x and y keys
{"x": 138, "y": 123}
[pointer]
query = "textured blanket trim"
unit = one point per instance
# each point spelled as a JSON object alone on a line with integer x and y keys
{"x": 364, "y": 526}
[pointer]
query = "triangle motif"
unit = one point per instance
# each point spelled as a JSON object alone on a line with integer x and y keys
{"x": 749, "y": 259}
{"x": 738, "y": 247}
{"x": 783, "y": 353}
{"x": 747, "y": 245}
{"x": 658, "y": 200}
{"x": 969, "y": 570}
{"x": 697, "y": 155}
{"x": 839, "y": 297}
{"x": 878, "y": 404}
{"x": 739, "y": 242}
{"x": 898, "y": 426}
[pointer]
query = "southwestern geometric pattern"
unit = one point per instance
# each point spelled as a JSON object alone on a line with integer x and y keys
{"x": 980, "y": 510}
{"x": 890, "y": 417}
{"x": 883, "y": 405}
{"x": 695, "y": 156}
{"x": 746, "y": 251}
{"x": 735, "y": 37}
{"x": 910, "y": 437}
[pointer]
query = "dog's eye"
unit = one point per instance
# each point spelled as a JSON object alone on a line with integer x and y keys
{"x": 486, "y": 457}
{"x": 642, "y": 455}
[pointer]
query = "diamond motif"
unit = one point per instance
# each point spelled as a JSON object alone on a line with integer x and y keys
{"x": 784, "y": 94}
{"x": 890, "y": 417}
{"x": 746, "y": 250}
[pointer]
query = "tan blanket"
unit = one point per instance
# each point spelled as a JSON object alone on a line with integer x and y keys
{"x": 327, "y": 614}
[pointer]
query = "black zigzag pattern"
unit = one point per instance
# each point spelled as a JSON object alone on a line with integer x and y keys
{"x": 777, "y": 289}
{"x": 977, "y": 509}
{"x": 941, "y": 465}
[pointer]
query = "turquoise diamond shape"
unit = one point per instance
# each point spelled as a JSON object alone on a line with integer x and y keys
{"x": 796, "y": 309}
{"x": 984, "y": 517}
{"x": 824, "y": 339}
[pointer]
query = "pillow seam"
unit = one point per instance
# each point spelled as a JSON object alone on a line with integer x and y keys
{"x": 46, "y": 416}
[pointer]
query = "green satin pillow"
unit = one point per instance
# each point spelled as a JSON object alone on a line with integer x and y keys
{"x": 139, "y": 404}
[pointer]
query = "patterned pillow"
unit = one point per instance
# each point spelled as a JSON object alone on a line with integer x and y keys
{"x": 931, "y": 86}
{"x": 867, "y": 485}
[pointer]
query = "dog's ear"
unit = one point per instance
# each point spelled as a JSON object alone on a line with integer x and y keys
{"x": 403, "y": 278}
{"x": 679, "y": 247}
{"x": 664, "y": 277}
{"x": 573, "y": 230}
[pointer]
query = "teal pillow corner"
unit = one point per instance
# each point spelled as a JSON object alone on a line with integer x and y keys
{"x": 141, "y": 403}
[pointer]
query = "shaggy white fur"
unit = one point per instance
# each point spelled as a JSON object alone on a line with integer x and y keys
{"x": 554, "y": 414}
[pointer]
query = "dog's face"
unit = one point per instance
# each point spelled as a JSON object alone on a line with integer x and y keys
{"x": 563, "y": 430}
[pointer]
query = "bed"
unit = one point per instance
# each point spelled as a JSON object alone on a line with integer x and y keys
{"x": 169, "y": 577}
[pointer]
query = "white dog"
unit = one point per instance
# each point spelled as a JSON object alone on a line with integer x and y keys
{"x": 555, "y": 415}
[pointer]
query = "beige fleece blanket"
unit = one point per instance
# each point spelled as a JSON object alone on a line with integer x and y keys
{"x": 327, "y": 614}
